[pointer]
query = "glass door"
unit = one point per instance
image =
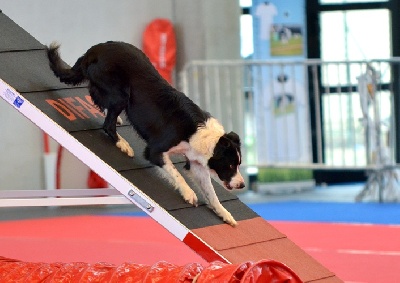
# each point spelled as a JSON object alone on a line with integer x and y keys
{"x": 350, "y": 35}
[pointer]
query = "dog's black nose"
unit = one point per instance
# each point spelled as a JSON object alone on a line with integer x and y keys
{"x": 242, "y": 185}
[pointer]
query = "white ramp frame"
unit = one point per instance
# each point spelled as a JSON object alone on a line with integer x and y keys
{"x": 59, "y": 134}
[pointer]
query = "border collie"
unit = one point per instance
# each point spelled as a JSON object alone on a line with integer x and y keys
{"x": 122, "y": 78}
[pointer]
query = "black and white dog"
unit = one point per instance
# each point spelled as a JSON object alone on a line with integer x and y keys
{"x": 122, "y": 78}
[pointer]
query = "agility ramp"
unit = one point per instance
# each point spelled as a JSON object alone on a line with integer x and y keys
{"x": 67, "y": 115}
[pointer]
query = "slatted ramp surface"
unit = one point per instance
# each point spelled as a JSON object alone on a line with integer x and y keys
{"x": 67, "y": 115}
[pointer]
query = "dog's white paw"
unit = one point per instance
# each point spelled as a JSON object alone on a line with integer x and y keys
{"x": 230, "y": 220}
{"x": 225, "y": 215}
{"x": 119, "y": 121}
{"x": 190, "y": 197}
{"x": 124, "y": 146}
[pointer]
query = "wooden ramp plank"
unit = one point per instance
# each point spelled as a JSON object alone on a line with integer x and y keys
{"x": 67, "y": 115}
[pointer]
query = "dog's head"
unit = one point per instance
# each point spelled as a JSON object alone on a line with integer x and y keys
{"x": 226, "y": 160}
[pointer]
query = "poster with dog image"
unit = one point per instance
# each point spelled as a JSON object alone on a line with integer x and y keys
{"x": 280, "y": 91}
{"x": 286, "y": 40}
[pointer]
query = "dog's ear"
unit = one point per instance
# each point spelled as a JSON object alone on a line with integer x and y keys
{"x": 233, "y": 137}
{"x": 222, "y": 144}
{"x": 225, "y": 141}
{"x": 229, "y": 139}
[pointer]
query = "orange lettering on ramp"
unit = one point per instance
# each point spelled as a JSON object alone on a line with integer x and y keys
{"x": 61, "y": 108}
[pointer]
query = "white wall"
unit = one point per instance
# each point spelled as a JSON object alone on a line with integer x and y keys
{"x": 206, "y": 29}
{"x": 78, "y": 24}
{"x": 20, "y": 151}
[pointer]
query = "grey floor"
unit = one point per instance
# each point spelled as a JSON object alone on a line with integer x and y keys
{"x": 336, "y": 193}
{"x": 307, "y": 192}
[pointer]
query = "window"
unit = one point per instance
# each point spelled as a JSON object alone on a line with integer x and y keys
{"x": 245, "y": 3}
{"x": 349, "y": 1}
{"x": 355, "y": 35}
{"x": 246, "y": 29}
{"x": 246, "y": 35}
{"x": 350, "y": 35}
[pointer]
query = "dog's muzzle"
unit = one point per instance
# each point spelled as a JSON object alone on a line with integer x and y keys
{"x": 230, "y": 186}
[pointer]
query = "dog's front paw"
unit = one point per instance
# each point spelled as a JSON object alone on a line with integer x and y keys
{"x": 230, "y": 220}
{"x": 190, "y": 197}
{"x": 225, "y": 215}
{"x": 124, "y": 146}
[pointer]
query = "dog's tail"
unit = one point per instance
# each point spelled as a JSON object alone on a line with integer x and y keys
{"x": 71, "y": 76}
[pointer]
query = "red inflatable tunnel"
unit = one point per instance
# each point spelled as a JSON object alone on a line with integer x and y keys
{"x": 12, "y": 270}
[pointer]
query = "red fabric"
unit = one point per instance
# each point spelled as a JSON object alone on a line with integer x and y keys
{"x": 162, "y": 272}
{"x": 159, "y": 44}
{"x": 248, "y": 272}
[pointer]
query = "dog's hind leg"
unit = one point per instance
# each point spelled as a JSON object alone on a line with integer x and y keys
{"x": 110, "y": 127}
{"x": 114, "y": 107}
{"x": 120, "y": 142}
{"x": 202, "y": 176}
{"x": 119, "y": 119}
{"x": 124, "y": 146}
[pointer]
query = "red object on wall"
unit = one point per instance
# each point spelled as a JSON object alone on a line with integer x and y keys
{"x": 12, "y": 270}
{"x": 95, "y": 181}
{"x": 159, "y": 44}
{"x": 46, "y": 143}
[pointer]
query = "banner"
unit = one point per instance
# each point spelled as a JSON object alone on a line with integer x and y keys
{"x": 280, "y": 94}
{"x": 159, "y": 44}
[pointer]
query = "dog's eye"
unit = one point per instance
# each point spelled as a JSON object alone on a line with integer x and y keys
{"x": 231, "y": 166}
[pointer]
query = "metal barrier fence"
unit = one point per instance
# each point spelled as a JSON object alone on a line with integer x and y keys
{"x": 268, "y": 103}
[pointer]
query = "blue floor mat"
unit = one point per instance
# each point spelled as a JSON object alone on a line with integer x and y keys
{"x": 373, "y": 213}
{"x": 366, "y": 213}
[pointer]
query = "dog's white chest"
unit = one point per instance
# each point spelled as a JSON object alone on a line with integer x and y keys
{"x": 185, "y": 148}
